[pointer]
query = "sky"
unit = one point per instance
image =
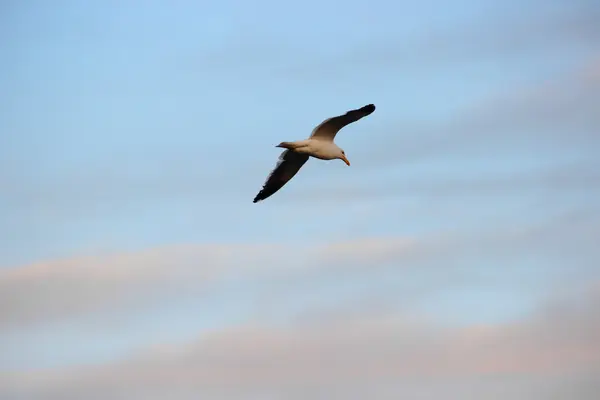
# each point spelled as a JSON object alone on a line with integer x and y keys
{"x": 456, "y": 258}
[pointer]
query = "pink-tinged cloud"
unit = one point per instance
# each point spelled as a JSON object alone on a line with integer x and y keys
{"x": 52, "y": 291}
{"x": 49, "y": 291}
{"x": 557, "y": 348}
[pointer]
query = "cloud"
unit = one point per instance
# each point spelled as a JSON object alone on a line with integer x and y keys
{"x": 553, "y": 350}
{"x": 376, "y": 340}
{"x": 45, "y": 291}
{"x": 556, "y": 182}
{"x": 496, "y": 34}
{"x": 53, "y": 290}
{"x": 550, "y": 115}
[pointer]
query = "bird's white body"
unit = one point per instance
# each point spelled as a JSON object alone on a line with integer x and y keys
{"x": 324, "y": 150}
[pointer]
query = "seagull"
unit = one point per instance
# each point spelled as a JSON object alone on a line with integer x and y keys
{"x": 319, "y": 145}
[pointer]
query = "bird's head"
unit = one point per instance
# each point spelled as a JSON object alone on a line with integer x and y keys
{"x": 342, "y": 156}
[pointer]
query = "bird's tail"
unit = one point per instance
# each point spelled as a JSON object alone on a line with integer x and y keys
{"x": 287, "y": 145}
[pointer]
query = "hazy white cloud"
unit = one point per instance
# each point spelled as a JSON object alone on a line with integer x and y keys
{"x": 556, "y": 182}
{"x": 556, "y": 347}
{"x": 558, "y": 114}
{"x": 50, "y": 290}
{"x": 507, "y": 36}
{"x": 499, "y": 32}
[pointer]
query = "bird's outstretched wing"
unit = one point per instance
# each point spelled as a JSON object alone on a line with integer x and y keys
{"x": 327, "y": 129}
{"x": 288, "y": 165}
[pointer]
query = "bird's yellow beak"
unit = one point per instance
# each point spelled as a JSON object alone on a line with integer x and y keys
{"x": 344, "y": 159}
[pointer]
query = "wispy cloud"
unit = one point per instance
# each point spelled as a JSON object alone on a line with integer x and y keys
{"x": 530, "y": 30}
{"x": 510, "y": 35}
{"x": 78, "y": 286}
{"x": 47, "y": 292}
{"x": 553, "y": 112}
{"x": 555, "y": 183}
{"x": 349, "y": 354}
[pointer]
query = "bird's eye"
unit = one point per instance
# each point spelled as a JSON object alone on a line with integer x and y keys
{"x": 343, "y": 152}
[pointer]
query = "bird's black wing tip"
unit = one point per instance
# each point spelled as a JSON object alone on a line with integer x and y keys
{"x": 369, "y": 108}
{"x": 259, "y": 197}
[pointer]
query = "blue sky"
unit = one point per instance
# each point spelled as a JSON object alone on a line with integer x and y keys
{"x": 134, "y": 135}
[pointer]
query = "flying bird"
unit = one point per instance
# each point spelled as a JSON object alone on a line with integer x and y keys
{"x": 319, "y": 145}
